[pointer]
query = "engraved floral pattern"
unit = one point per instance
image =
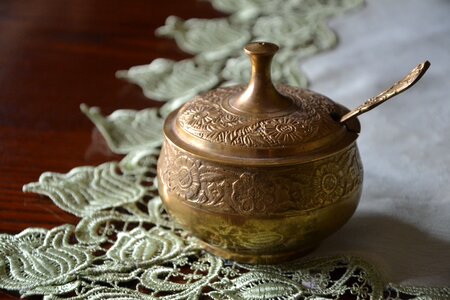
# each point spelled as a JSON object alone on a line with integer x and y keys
{"x": 355, "y": 172}
{"x": 329, "y": 183}
{"x": 202, "y": 117}
{"x": 237, "y": 236}
{"x": 245, "y": 190}
{"x": 184, "y": 179}
{"x": 205, "y": 117}
{"x": 283, "y": 129}
{"x": 214, "y": 193}
{"x": 247, "y": 196}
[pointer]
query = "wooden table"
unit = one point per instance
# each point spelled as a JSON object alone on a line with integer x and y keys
{"x": 54, "y": 55}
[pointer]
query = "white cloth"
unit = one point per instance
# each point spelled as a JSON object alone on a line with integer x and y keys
{"x": 402, "y": 223}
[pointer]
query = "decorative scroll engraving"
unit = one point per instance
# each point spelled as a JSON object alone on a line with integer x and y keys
{"x": 206, "y": 119}
{"x": 260, "y": 190}
{"x": 408, "y": 81}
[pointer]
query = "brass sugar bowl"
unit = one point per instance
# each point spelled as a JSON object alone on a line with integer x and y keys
{"x": 262, "y": 174}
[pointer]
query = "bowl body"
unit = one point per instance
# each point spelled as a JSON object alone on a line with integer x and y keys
{"x": 260, "y": 214}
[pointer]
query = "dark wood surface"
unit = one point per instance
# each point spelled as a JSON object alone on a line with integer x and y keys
{"x": 54, "y": 55}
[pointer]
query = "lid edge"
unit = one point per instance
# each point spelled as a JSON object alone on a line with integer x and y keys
{"x": 265, "y": 157}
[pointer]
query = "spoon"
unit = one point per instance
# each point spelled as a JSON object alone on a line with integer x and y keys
{"x": 399, "y": 87}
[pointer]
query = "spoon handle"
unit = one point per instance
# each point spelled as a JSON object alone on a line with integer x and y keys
{"x": 399, "y": 87}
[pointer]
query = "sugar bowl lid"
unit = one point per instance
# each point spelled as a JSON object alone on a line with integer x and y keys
{"x": 260, "y": 124}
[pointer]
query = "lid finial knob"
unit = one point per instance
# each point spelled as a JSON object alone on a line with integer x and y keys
{"x": 260, "y": 96}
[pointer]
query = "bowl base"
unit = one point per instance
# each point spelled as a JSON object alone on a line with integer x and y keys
{"x": 263, "y": 259}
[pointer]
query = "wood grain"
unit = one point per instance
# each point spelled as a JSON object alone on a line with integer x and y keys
{"x": 54, "y": 55}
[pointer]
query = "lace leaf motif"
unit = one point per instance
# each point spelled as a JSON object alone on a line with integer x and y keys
{"x": 37, "y": 261}
{"x": 165, "y": 79}
{"x": 127, "y": 130}
{"x": 85, "y": 190}
{"x": 210, "y": 39}
{"x": 137, "y": 252}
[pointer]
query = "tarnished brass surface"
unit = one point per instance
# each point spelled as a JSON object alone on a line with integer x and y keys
{"x": 260, "y": 214}
{"x": 263, "y": 173}
{"x": 261, "y": 98}
{"x": 263, "y": 191}
{"x": 260, "y": 124}
{"x": 208, "y": 130}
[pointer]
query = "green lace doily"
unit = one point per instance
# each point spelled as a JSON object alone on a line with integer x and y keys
{"x": 125, "y": 246}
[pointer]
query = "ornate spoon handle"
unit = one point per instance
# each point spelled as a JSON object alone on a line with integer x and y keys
{"x": 394, "y": 90}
